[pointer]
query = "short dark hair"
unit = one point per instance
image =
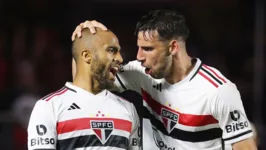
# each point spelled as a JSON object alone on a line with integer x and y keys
{"x": 168, "y": 23}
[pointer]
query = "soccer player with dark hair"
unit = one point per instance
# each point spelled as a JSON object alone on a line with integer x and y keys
{"x": 188, "y": 105}
{"x": 83, "y": 115}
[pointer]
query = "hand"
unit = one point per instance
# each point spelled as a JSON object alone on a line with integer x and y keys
{"x": 87, "y": 24}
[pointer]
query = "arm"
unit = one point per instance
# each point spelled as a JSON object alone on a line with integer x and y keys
{"x": 247, "y": 144}
{"x": 42, "y": 128}
{"x": 131, "y": 77}
{"x": 229, "y": 111}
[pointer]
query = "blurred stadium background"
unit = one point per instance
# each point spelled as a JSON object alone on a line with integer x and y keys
{"x": 35, "y": 49}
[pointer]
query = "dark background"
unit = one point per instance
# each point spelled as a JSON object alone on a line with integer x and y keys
{"x": 35, "y": 48}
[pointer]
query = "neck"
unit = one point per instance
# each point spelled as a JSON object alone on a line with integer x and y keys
{"x": 181, "y": 67}
{"x": 85, "y": 81}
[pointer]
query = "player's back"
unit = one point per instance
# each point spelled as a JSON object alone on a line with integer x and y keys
{"x": 76, "y": 119}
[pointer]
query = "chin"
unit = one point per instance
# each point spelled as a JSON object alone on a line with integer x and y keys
{"x": 109, "y": 85}
{"x": 157, "y": 76}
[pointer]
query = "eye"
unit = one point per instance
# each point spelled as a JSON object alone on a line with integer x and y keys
{"x": 112, "y": 50}
{"x": 147, "y": 48}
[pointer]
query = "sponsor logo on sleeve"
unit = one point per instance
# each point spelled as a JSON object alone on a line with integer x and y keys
{"x": 159, "y": 142}
{"x": 236, "y": 123}
{"x": 136, "y": 140}
{"x": 41, "y": 131}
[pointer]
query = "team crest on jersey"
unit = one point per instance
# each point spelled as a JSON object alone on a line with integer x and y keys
{"x": 170, "y": 119}
{"x": 102, "y": 129}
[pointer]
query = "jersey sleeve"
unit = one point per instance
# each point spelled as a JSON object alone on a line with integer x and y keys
{"x": 229, "y": 111}
{"x": 135, "y": 136}
{"x": 130, "y": 76}
{"x": 42, "y": 127}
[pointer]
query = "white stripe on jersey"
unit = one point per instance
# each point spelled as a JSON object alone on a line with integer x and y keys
{"x": 78, "y": 133}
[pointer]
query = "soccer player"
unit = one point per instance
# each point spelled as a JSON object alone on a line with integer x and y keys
{"x": 83, "y": 115}
{"x": 188, "y": 105}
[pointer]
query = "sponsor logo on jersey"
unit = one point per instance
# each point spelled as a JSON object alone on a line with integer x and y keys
{"x": 159, "y": 142}
{"x": 158, "y": 87}
{"x": 102, "y": 129}
{"x": 41, "y": 131}
{"x": 169, "y": 118}
{"x": 136, "y": 141}
{"x": 236, "y": 124}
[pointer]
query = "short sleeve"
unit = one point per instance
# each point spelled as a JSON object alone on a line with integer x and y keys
{"x": 42, "y": 127}
{"x": 229, "y": 111}
{"x": 135, "y": 136}
{"x": 130, "y": 76}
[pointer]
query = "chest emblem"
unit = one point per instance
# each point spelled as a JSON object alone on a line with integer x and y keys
{"x": 102, "y": 129}
{"x": 169, "y": 118}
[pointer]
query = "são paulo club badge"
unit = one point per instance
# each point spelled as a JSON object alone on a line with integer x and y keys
{"x": 102, "y": 129}
{"x": 169, "y": 118}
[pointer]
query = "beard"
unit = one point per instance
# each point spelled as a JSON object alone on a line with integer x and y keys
{"x": 101, "y": 74}
{"x": 162, "y": 69}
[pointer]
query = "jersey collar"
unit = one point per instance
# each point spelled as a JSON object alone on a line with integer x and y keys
{"x": 188, "y": 78}
{"x": 79, "y": 90}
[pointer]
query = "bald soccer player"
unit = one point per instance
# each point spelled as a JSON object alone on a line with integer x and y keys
{"x": 83, "y": 115}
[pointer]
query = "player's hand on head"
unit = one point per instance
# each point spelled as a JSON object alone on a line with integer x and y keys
{"x": 87, "y": 24}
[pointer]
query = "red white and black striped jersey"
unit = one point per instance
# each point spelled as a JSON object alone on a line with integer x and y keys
{"x": 202, "y": 111}
{"x": 73, "y": 118}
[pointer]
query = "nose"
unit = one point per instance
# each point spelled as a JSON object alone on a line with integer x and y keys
{"x": 140, "y": 55}
{"x": 119, "y": 58}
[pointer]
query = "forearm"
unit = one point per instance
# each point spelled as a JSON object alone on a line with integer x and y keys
{"x": 248, "y": 144}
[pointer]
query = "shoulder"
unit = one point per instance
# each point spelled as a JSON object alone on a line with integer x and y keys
{"x": 64, "y": 92}
{"x": 123, "y": 101}
{"x": 210, "y": 79}
{"x": 119, "y": 97}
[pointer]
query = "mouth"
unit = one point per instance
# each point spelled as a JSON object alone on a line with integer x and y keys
{"x": 114, "y": 70}
{"x": 148, "y": 70}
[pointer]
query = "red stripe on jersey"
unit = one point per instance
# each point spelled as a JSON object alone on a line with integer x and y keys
{"x": 84, "y": 123}
{"x": 207, "y": 78}
{"x": 214, "y": 73}
{"x": 56, "y": 94}
{"x": 184, "y": 119}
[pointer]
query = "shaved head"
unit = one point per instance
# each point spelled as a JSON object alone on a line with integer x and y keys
{"x": 91, "y": 42}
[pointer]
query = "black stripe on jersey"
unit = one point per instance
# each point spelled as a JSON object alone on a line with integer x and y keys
{"x": 217, "y": 80}
{"x": 236, "y": 136}
{"x": 92, "y": 140}
{"x": 196, "y": 72}
{"x": 71, "y": 89}
{"x": 197, "y": 136}
{"x": 121, "y": 83}
{"x": 45, "y": 97}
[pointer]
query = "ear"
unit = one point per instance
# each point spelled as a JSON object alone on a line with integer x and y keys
{"x": 74, "y": 68}
{"x": 174, "y": 47}
{"x": 86, "y": 55}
